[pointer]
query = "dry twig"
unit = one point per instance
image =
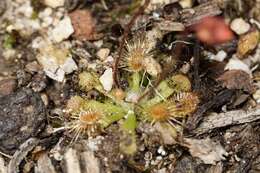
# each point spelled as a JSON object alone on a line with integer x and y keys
{"x": 214, "y": 120}
{"x": 127, "y": 29}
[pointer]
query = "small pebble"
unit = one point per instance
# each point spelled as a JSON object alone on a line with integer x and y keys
{"x": 256, "y": 96}
{"x": 247, "y": 43}
{"x": 45, "y": 99}
{"x": 220, "y": 56}
{"x": 63, "y": 30}
{"x": 107, "y": 79}
{"x": 54, "y": 3}
{"x": 239, "y": 26}
{"x": 186, "y": 3}
{"x": 103, "y": 53}
{"x": 236, "y": 64}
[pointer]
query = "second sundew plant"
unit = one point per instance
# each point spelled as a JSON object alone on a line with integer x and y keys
{"x": 171, "y": 103}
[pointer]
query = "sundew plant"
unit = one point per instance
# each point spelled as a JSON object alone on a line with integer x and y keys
{"x": 171, "y": 102}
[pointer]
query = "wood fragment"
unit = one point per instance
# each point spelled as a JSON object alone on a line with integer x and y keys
{"x": 3, "y": 168}
{"x": 220, "y": 99}
{"x": 72, "y": 161}
{"x": 90, "y": 162}
{"x": 44, "y": 165}
{"x": 214, "y": 120}
{"x": 20, "y": 154}
{"x": 193, "y": 16}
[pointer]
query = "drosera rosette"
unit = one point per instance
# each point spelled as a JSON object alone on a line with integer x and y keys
{"x": 172, "y": 102}
{"x": 135, "y": 52}
{"x": 138, "y": 56}
{"x": 180, "y": 83}
{"x": 179, "y": 106}
{"x": 89, "y": 117}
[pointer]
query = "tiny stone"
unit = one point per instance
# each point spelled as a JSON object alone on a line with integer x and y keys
{"x": 236, "y": 64}
{"x": 45, "y": 99}
{"x": 103, "y": 53}
{"x": 239, "y": 26}
{"x": 109, "y": 59}
{"x": 98, "y": 43}
{"x": 54, "y": 3}
{"x": 220, "y": 56}
{"x": 186, "y": 3}
{"x": 107, "y": 79}
{"x": 63, "y": 30}
{"x": 256, "y": 96}
{"x": 159, "y": 158}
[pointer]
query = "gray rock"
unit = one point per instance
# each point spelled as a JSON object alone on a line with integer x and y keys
{"x": 22, "y": 115}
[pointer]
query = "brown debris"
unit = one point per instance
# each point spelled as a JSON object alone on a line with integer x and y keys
{"x": 207, "y": 150}
{"x": 7, "y": 86}
{"x": 84, "y": 25}
{"x": 236, "y": 79}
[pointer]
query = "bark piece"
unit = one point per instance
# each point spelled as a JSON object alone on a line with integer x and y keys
{"x": 194, "y": 15}
{"x": 214, "y": 120}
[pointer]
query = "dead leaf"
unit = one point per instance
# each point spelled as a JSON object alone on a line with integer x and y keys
{"x": 84, "y": 25}
{"x": 247, "y": 43}
{"x": 237, "y": 79}
{"x": 168, "y": 133}
{"x": 207, "y": 150}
